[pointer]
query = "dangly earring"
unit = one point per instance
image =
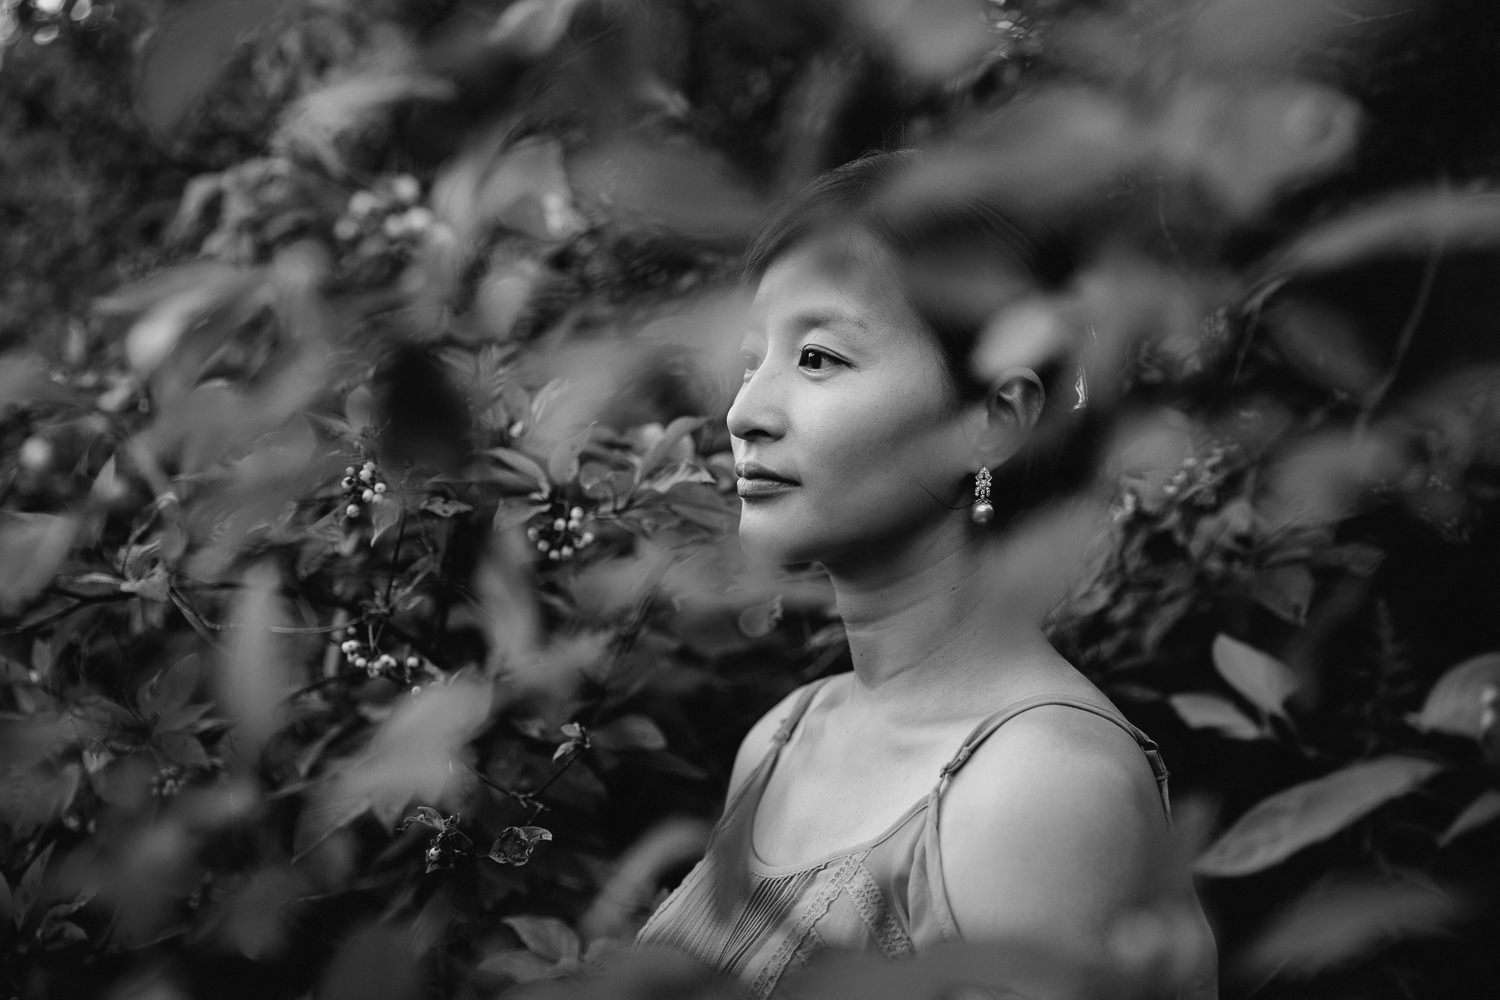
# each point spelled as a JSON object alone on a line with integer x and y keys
{"x": 981, "y": 512}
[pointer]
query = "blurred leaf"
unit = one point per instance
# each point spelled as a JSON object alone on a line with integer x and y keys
{"x": 933, "y": 40}
{"x": 187, "y": 296}
{"x": 7, "y": 903}
{"x": 1483, "y": 810}
{"x": 1412, "y": 223}
{"x": 23, "y": 379}
{"x": 29, "y": 889}
{"x": 1456, "y": 702}
{"x": 1333, "y": 924}
{"x": 376, "y": 963}
{"x": 521, "y": 965}
{"x": 629, "y": 732}
{"x": 546, "y": 936}
{"x": 172, "y": 688}
{"x": 182, "y": 61}
{"x": 1209, "y": 711}
{"x": 318, "y": 121}
{"x": 1250, "y": 143}
{"x": 682, "y": 188}
{"x": 1285, "y": 591}
{"x": 257, "y": 920}
{"x": 562, "y": 466}
{"x": 182, "y": 749}
{"x": 255, "y": 675}
{"x": 1266, "y": 681}
{"x": 1271, "y": 35}
{"x": 531, "y": 28}
{"x": 523, "y": 188}
{"x": 1279, "y": 826}
{"x": 32, "y": 550}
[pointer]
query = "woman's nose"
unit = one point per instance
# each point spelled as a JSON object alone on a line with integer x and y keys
{"x": 757, "y": 410}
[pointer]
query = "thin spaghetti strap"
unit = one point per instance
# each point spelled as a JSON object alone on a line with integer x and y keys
{"x": 987, "y": 727}
{"x": 789, "y": 724}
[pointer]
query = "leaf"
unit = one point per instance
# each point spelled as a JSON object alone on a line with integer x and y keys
{"x": 255, "y": 678}
{"x": 521, "y": 965}
{"x": 1279, "y": 826}
{"x": 562, "y": 466}
{"x": 1209, "y": 711}
{"x": 7, "y": 904}
{"x": 515, "y": 844}
{"x": 546, "y": 936}
{"x": 383, "y": 517}
{"x": 29, "y": 890}
{"x": 630, "y": 732}
{"x": 1266, "y": 681}
{"x": 1285, "y": 591}
{"x": 32, "y": 550}
{"x": 182, "y": 749}
{"x": 316, "y": 123}
{"x": 444, "y": 507}
{"x": 527, "y": 190}
{"x": 183, "y": 60}
{"x": 1413, "y": 223}
{"x": 425, "y": 815}
{"x": 1483, "y": 810}
{"x": 531, "y": 28}
{"x": 522, "y": 463}
{"x": 172, "y": 688}
{"x": 676, "y": 431}
{"x": 1456, "y": 702}
{"x": 1332, "y": 924}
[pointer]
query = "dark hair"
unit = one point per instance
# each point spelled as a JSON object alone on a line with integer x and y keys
{"x": 959, "y": 257}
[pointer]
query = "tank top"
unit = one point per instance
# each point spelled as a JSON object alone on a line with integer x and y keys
{"x": 755, "y": 922}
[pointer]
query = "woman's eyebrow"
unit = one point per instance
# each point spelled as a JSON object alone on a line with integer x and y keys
{"x": 811, "y": 319}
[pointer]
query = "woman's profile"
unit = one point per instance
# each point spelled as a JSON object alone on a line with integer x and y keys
{"x": 963, "y": 782}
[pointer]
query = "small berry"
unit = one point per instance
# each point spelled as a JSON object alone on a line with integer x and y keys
{"x": 566, "y": 551}
{"x": 347, "y": 482}
{"x": 587, "y": 539}
{"x": 416, "y": 689}
{"x": 413, "y": 662}
{"x": 366, "y": 475}
{"x": 362, "y": 202}
{"x": 532, "y": 533}
{"x": 559, "y": 524}
{"x": 380, "y": 487}
{"x": 406, "y": 188}
{"x": 368, "y": 496}
{"x": 352, "y": 510}
{"x": 554, "y": 555}
{"x": 350, "y": 647}
{"x": 576, "y": 513}
{"x": 349, "y": 470}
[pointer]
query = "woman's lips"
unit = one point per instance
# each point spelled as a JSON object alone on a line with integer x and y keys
{"x": 757, "y": 482}
{"x": 760, "y": 487}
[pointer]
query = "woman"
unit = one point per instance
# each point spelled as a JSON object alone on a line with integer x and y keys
{"x": 1036, "y": 817}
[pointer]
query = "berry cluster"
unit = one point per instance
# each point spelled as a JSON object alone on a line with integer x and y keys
{"x": 361, "y": 486}
{"x": 168, "y": 781}
{"x": 384, "y": 218}
{"x": 363, "y": 655}
{"x": 560, "y": 531}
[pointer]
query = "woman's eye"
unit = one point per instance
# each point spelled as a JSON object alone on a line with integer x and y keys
{"x": 815, "y": 360}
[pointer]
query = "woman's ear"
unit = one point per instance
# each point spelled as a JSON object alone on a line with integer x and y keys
{"x": 1012, "y": 408}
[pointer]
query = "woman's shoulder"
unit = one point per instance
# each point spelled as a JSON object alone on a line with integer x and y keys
{"x": 1059, "y": 808}
{"x": 759, "y": 740}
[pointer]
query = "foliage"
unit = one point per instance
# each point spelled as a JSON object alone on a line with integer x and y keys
{"x": 370, "y": 604}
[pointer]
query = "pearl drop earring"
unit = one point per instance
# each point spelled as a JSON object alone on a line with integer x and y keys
{"x": 982, "y": 511}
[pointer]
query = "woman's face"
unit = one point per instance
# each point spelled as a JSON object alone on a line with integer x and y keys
{"x": 847, "y": 436}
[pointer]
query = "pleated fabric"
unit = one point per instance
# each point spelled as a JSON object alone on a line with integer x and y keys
{"x": 755, "y": 921}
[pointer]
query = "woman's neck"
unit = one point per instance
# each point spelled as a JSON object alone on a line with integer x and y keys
{"x": 927, "y": 630}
